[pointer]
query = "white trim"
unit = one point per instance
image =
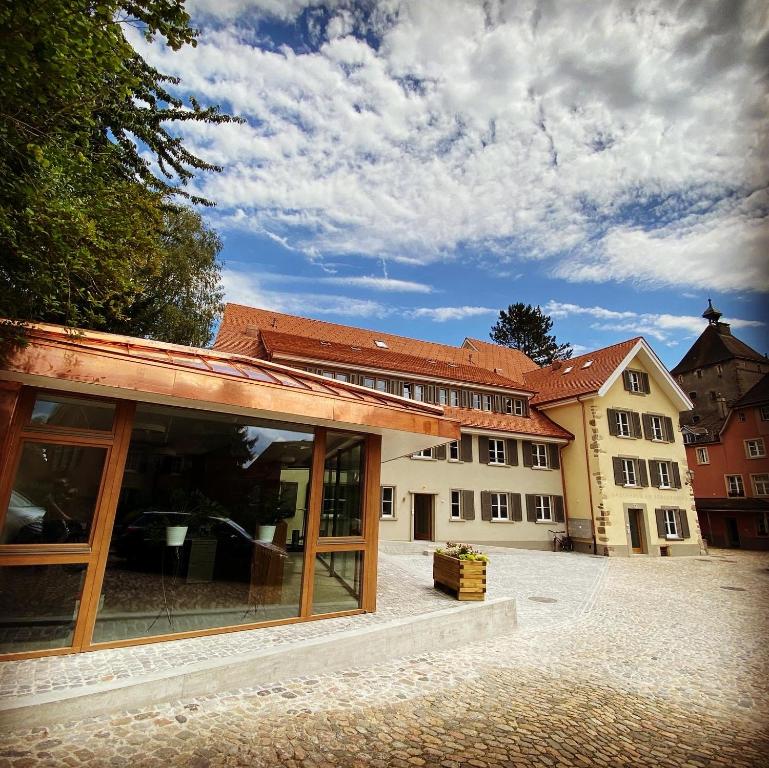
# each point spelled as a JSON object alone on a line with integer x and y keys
{"x": 641, "y": 345}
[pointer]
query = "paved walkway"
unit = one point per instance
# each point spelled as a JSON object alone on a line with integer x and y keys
{"x": 640, "y": 662}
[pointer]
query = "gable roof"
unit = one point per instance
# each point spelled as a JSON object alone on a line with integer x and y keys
{"x": 594, "y": 373}
{"x": 316, "y": 349}
{"x": 537, "y": 423}
{"x": 571, "y": 378}
{"x": 242, "y": 327}
{"x": 716, "y": 345}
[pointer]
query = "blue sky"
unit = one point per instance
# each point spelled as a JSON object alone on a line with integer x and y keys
{"x": 416, "y": 165}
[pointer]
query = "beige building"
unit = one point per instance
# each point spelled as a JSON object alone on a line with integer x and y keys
{"x": 590, "y": 445}
{"x": 626, "y": 479}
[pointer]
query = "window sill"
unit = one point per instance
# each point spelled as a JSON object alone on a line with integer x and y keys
{"x": 533, "y": 467}
{"x": 544, "y": 522}
{"x": 498, "y": 464}
{"x": 387, "y": 519}
{"x": 499, "y": 520}
{"x": 629, "y": 485}
{"x": 626, "y": 437}
{"x": 457, "y": 520}
{"x": 423, "y": 458}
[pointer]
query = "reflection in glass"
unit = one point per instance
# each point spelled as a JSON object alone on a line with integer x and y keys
{"x": 342, "y": 486}
{"x": 73, "y": 412}
{"x": 54, "y": 494}
{"x": 210, "y": 524}
{"x": 38, "y": 606}
{"x": 337, "y": 583}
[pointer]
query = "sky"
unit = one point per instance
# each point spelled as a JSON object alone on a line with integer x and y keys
{"x": 414, "y": 166}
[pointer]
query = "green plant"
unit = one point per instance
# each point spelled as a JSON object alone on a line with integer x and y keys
{"x": 462, "y": 552}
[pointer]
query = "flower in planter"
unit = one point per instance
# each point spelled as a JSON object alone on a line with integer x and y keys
{"x": 463, "y": 552}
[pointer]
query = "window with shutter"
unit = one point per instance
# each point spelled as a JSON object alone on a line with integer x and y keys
{"x": 499, "y": 506}
{"x": 670, "y": 434}
{"x": 611, "y": 420}
{"x": 619, "y": 477}
{"x": 660, "y": 516}
{"x": 544, "y": 508}
{"x": 456, "y": 505}
{"x": 539, "y": 455}
{"x": 454, "y": 450}
{"x": 654, "y": 473}
{"x": 515, "y": 506}
{"x": 483, "y": 449}
{"x": 646, "y": 420}
{"x": 555, "y": 453}
{"x": 466, "y": 448}
{"x": 676, "y": 473}
{"x": 635, "y": 422}
{"x": 663, "y": 474}
{"x": 683, "y": 524}
{"x": 657, "y": 428}
{"x": 643, "y": 477}
{"x": 527, "y": 457}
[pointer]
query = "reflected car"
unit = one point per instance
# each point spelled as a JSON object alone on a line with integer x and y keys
{"x": 22, "y": 514}
{"x": 142, "y": 543}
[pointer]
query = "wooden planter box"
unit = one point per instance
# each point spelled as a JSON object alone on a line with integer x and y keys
{"x": 465, "y": 579}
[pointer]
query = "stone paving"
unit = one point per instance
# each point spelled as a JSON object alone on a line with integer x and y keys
{"x": 662, "y": 662}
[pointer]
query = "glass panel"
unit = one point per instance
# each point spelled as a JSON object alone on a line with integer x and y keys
{"x": 338, "y": 578}
{"x": 54, "y": 494}
{"x": 38, "y": 606}
{"x": 238, "y": 490}
{"x": 72, "y": 412}
{"x": 342, "y": 486}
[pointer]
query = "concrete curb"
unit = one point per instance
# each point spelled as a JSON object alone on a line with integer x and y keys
{"x": 435, "y": 631}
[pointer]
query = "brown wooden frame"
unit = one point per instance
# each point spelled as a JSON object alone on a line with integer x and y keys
{"x": 94, "y": 554}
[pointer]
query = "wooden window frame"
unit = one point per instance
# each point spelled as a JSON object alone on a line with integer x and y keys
{"x": 94, "y": 555}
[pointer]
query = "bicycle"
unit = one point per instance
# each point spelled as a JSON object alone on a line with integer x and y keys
{"x": 562, "y": 542}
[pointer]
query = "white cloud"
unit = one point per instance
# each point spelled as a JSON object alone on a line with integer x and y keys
{"x": 386, "y": 284}
{"x": 657, "y": 326}
{"x": 442, "y": 314}
{"x": 241, "y": 288}
{"x": 528, "y": 130}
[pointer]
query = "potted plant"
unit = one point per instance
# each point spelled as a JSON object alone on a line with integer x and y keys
{"x": 461, "y": 570}
{"x": 267, "y": 512}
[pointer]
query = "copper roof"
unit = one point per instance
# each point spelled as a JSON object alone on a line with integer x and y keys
{"x": 242, "y": 326}
{"x": 571, "y": 378}
{"x": 141, "y": 365}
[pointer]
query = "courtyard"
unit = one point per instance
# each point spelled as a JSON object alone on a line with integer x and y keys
{"x": 658, "y": 662}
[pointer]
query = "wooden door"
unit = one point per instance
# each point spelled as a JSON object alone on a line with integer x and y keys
{"x": 635, "y": 520}
{"x": 423, "y": 517}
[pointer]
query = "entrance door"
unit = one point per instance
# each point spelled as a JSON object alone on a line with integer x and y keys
{"x": 423, "y": 517}
{"x": 732, "y": 532}
{"x": 635, "y": 520}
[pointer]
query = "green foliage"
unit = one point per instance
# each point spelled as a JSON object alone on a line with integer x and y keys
{"x": 527, "y": 328}
{"x": 462, "y": 552}
{"x": 88, "y": 234}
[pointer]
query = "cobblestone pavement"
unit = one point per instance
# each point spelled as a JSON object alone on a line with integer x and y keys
{"x": 665, "y": 664}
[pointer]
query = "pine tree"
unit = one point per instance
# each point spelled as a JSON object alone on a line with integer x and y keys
{"x": 527, "y": 328}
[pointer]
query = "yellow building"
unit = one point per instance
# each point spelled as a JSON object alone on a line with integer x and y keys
{"x": 627, "y": 486}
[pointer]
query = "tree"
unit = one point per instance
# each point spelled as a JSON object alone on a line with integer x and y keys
{"x": 527, "y": 328}
{"x": 89, "y": 165}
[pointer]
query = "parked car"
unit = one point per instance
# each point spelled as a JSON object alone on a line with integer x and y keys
{"x": 23, "y": 521}
{"x": 142, "y": 542}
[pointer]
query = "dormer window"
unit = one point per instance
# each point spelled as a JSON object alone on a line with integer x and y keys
{"x": 568, "y": 369}
{"x": 587, "y": 363}
{"x": 514, "y": 406}
{"x": 381, "y": 344}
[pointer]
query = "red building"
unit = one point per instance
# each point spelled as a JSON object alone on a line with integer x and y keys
{"x": 726, "y": 435}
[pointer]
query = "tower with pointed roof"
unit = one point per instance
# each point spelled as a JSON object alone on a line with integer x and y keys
{"x": 717, "y": 370}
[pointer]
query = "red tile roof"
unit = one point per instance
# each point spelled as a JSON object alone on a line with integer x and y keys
{"x": 300, "y": 346}
{"x": 241, "y": 328}
{"x": 538, "y": 424}
{"x": 570, "y": 379}
{"x": 505, "y": 360}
